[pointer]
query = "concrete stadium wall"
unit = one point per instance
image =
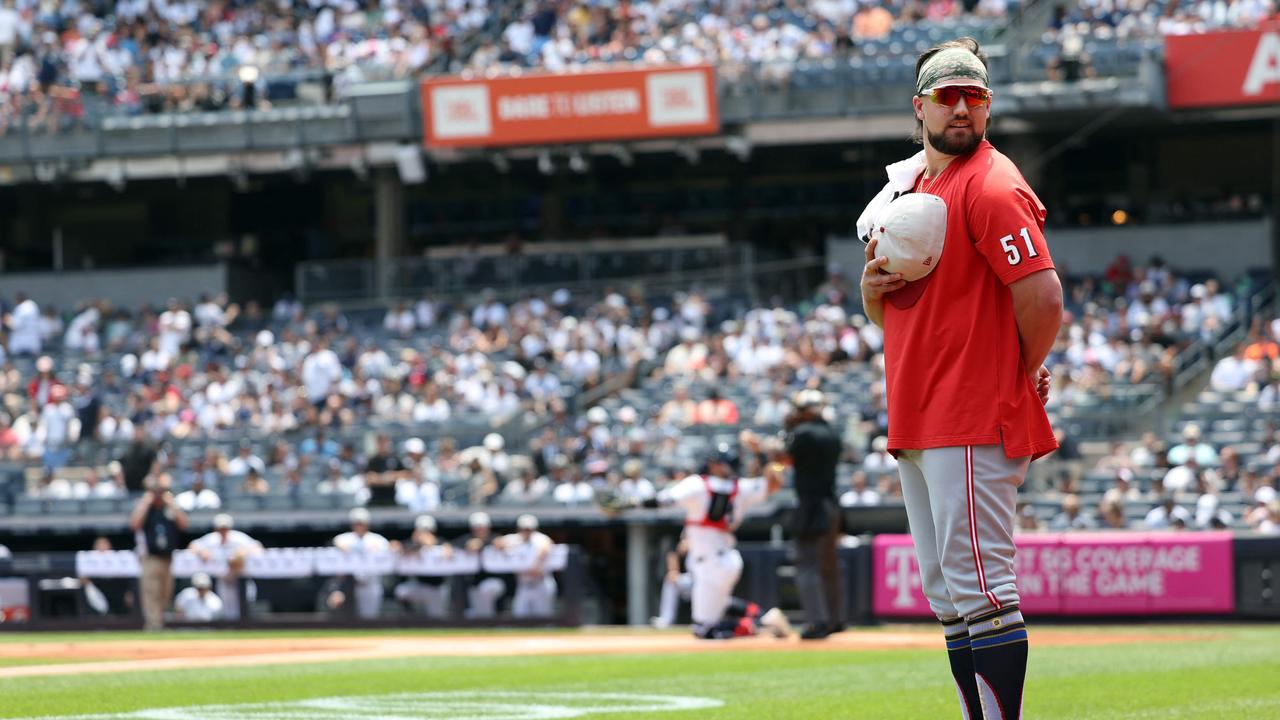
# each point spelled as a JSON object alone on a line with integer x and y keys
{"x": 126, "y": 288}
{"x": 1229, "y": 249}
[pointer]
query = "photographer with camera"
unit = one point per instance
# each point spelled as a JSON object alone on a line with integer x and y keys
{"x": 157, "y": 521}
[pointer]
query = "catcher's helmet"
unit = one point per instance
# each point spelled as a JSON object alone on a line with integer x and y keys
{"x": 724, "y": 453}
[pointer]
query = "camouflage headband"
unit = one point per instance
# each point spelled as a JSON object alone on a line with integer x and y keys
{"x": 950, "y": 64}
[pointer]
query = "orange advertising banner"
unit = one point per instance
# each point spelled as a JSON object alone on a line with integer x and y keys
{"x": 590, "y": 106}
{"x": 1217, "y": 69}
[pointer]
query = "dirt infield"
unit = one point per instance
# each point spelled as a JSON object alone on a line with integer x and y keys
{"x": 141, "y": 655}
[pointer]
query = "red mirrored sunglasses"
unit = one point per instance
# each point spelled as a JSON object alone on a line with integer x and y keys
{"x": 951, "y": 94}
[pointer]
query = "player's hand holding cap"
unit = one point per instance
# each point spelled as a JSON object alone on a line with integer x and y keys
{"x": 910, "y": 232}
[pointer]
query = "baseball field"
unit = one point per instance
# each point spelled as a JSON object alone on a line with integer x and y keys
{"x": 896, "y": 672}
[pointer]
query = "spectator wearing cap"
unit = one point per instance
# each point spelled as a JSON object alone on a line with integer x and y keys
{"x": 363, "y": 542}
{"x": 814, "y": 449}
{"x": 492, "y": 454}
{"x": 233, "y": 547}
{"x": 199, "y": 603}
{"x": 1192, "y": 447}
{"x": 428, "y": 594}
{"x": 417, "y": 490}
{"x": 486, "y": 589}
{"x": 535, "y": 593}
{"x": 1210, "y": 515}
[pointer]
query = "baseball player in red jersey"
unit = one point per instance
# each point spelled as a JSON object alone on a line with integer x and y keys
{"x": 964, "y": 347}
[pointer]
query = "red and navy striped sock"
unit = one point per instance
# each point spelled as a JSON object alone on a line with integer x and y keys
{"x": 998, "y": 642}
{"x": 957, "y": 635}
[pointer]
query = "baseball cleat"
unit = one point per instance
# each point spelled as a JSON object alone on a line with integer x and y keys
{"x": 777, "y": 623}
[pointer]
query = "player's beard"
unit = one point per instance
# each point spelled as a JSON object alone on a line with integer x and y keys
{"x": 958, "y": 144}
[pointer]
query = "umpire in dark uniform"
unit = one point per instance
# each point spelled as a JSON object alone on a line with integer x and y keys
{"x": 815, "y": 449}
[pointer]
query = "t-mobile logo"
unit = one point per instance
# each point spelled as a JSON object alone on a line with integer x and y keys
{"x": 902, "y": 575}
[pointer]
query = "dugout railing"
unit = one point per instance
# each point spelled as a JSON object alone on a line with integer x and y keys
{"x": 57, "y": 587}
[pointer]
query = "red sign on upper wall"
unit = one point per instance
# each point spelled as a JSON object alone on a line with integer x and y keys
{"x": 590, "y": 106}
{"x": 1217, "y": 69}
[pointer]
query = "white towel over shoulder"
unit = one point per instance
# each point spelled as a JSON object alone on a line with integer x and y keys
{"x": 902, "y": 177}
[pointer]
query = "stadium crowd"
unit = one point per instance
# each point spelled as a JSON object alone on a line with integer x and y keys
{"x": 230, "y": 402}
{"x": 62, "y": 65}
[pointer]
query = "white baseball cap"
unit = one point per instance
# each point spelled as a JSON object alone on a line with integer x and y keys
{"x": 911, "y": 232}
{"x": 223, "y": 520}
{"x": 201, "y": 580}
{"x": 527, "y": 522}
{"x": 479, "y": 520}
{"x": 359, "y": 516}
{"x": 415, "y": 446}
{"x": 425, "y": 522}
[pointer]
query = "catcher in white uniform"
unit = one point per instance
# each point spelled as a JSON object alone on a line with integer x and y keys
{"x": 715, "y": 504}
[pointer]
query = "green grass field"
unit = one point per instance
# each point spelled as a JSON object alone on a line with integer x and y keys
{"x": 1212, "y": 672}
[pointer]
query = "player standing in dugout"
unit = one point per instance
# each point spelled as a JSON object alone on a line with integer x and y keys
{"x": 964, "y": 349}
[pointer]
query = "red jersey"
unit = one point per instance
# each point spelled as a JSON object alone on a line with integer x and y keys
{"x": 953, "y": 359}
